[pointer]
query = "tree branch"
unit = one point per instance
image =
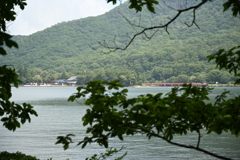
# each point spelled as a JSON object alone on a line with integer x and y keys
{"x": 196, "y": 148}
{"x": 199, "y": 138}
{"x": 153, "y": 134}
{"x": 145, "y": 29}
{"x": 193, "y": 21}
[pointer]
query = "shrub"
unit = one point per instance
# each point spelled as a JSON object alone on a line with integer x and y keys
{"x": 16, "y": 156}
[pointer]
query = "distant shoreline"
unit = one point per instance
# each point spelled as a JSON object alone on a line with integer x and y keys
{"x": 45, "y": 86}
{"x": 137, "y": 86}
{"x": 223, "y": 85}
{"x": 209, "y": 85}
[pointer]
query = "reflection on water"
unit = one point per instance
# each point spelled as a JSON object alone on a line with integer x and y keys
{"x": 59, "y": 117}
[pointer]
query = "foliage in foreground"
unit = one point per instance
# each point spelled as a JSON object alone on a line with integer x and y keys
{"x": 107, "y": 154}
{"x": 13, "y": 114}
{"x": 151, "y": 4}
{"x": 229, "y": 60}
{"x": 16, "y": 156}
{"x": 179, "y": 112}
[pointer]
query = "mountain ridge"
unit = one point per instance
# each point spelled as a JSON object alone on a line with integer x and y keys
{"x": 73, "y": 46}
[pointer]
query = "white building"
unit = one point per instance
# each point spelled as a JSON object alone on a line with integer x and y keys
{"x": 72, "y": 81}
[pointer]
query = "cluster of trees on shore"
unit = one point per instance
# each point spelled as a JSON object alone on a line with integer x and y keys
{"x": 128, "y": 77}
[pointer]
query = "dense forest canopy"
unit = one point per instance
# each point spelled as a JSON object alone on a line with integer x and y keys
{"x": 73, "y": 48}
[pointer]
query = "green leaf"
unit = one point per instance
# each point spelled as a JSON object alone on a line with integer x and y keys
{"x": 226, "y": 5}
{"x": 2, "y": 51}
{"x": 120, "y": 136}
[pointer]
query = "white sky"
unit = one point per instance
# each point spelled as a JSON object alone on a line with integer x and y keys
{"x": 40, "y": 14}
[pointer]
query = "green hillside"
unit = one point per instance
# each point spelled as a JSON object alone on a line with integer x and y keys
{"x": 73, "y": 48}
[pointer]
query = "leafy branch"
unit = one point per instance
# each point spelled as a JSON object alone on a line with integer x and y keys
{"x": 108, "y": 153}
{"x": 179, "y": 112}
{"x": 13, "y": 114}
{"x": 229, "y": 60}
{"x": 7, "y": 14}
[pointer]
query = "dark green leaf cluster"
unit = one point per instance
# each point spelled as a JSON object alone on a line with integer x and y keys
{"x": 6, "y": 38}
{"x": 234, "y": 4}
{"x": 138, "y": 4}
{"x": 8, "y": 14}
{"x": 13, "y": 114}
{"x": 65, "y": 140}
{"x": 107, "y": 154}
{"x": 228, "y": 60}
{"x": 179, "y": 112}
{"x": 16, "y": 156}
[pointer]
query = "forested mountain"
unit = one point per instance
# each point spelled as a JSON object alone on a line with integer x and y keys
{"x": 72, "y": 48}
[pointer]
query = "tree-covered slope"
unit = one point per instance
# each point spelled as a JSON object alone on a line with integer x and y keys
{"x": 176, "y": 57}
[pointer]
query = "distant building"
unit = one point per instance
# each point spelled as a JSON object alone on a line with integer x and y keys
{"x": 67, "y": 82}
{"x": 72, "y": 81}
{"x": 62, "y": 82}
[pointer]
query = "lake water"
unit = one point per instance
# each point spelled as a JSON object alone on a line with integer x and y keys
{"x": 59, "y": 117}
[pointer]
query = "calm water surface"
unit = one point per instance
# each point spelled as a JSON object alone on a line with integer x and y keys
{"x": 59, "y": 117}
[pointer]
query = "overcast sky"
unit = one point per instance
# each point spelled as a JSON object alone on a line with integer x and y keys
{"x": 40, "y": 14}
